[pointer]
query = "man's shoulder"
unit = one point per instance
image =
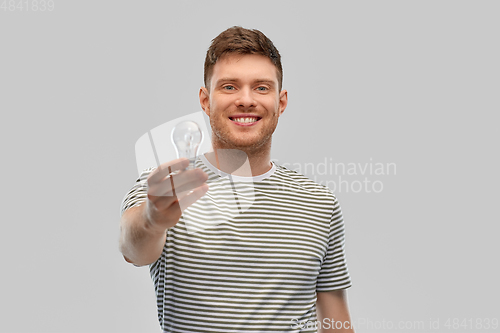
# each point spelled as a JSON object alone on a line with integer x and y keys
{"x": 296, "y": 180}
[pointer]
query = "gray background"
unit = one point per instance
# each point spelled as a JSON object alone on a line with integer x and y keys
{"x": 413, "y": 83}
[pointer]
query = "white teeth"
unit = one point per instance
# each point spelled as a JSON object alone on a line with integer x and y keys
{"x": 245, "y": 120}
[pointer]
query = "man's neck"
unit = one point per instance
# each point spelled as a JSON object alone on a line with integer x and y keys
{"x": 235, "y": 161}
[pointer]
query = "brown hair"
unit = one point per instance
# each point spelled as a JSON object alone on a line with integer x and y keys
{"x": 243, "y": 41}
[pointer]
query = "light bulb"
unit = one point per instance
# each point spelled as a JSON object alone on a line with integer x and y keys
{"x": 187, "y": 137}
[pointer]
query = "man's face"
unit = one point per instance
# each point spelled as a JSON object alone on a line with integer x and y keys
{"x": 243, "y": 103}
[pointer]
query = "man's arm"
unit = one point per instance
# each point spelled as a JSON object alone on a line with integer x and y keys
{"x": 332, "y": 312}
{"x": 143, "y": 228}
{"x": 140, "y": 244}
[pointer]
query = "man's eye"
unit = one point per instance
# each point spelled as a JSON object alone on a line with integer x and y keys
{"x": 262, "y": 88}
{"x": 228, "y": 87}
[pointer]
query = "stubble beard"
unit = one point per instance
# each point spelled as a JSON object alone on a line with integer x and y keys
{"x": 222, "y": 140}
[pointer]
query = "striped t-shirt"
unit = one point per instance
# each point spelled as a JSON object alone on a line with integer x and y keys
{"x": 250, "y": 255}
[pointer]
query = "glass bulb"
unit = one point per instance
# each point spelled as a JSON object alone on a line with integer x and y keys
{"x": 187, "y": 137}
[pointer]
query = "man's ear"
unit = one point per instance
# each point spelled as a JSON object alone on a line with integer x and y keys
{"x": 205, "y": 100}
{"x": 283, "y": 101}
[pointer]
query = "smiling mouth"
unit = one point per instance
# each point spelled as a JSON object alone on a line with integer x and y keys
{"x": 245, "y": 120}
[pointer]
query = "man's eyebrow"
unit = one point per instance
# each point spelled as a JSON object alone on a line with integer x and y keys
{"x": 226, "y": 79}
{"x": 229, "y": 79}
{"x": 271, "y": 82}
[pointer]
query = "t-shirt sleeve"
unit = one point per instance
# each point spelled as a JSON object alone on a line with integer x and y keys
{"x": 138, "y": 193}
{"x": 333, "y": 274}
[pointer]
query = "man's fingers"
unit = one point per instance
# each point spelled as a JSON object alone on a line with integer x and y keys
{"x": 170, "y": 205}
{"x": 188, "y": 199}
{"x": 166, "y": 211}
{"x": 167, "y": 168}
{"x": 174, "y": 184}
{"x": 189, "y": 180}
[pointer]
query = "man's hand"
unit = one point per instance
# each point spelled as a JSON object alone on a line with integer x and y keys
{"x": 333, "y": 312}
{"x": 171, "y": 189}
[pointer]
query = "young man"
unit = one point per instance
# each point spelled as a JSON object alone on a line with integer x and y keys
{"x": 276, "y": 267}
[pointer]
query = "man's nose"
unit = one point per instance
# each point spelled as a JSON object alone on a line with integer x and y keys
{"x": 245, "y": 98}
